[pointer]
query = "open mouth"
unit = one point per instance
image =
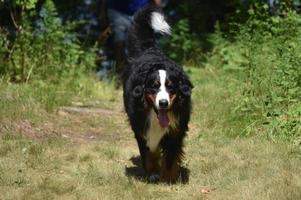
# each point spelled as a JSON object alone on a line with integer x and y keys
{"x": 163, "y": 118}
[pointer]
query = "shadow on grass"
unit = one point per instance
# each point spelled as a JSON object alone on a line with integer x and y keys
{"x": 138, "y": 173}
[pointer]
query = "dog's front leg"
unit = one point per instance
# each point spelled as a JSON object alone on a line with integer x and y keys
{"x": 171, "y": 160}
{"x": 150, "y": 160}
{"x": 152, "y": 163}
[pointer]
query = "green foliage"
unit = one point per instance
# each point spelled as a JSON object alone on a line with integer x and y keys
{"x": 264, "y": 55}
{"x": 183, "y": 45}
{"x": 25, "y": 4}
{"x": 44, "y": 50}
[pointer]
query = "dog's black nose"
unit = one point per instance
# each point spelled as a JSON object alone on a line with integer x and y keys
{"x": 163, "y": 103}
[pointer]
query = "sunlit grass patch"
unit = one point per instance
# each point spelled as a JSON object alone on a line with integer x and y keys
{"x": 95, "y": 156}
{"x": 26, "y": 106}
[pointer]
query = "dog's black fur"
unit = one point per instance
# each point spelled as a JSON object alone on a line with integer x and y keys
{"x": 144, "y": 61}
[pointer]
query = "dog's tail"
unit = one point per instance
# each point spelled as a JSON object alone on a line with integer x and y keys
{"x": 147, "y": 21}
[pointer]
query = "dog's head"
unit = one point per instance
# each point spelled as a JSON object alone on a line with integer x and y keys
{"x": 163, "y": 91}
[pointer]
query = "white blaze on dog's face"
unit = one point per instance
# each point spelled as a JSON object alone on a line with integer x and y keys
{"x": 162, "y": 97}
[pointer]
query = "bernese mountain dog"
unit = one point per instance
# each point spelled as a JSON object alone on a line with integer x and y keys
{"x": 157, "y": 97}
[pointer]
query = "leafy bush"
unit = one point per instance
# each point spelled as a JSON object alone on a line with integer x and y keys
{"x": 264, "y": 55}
{"x": 45, "y": 49}
{"x": 183, "y": 45}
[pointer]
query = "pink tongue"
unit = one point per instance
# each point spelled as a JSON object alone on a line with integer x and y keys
{"x": 163, "y": 118}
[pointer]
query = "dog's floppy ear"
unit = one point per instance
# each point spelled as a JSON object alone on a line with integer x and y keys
{"x": 185, "y": 86}
{"x": 138, "y": 91}
{"x": 137, "y": 84}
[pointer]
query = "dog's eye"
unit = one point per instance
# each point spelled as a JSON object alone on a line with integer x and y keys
{"x": 170, "y": 87}
{"x": 155, "y": 85}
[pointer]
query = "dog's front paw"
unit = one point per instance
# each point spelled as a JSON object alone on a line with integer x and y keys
{"x": 168, "y": 176}
{"x": 154, "y": 178}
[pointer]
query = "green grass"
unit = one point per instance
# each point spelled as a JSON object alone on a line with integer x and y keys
{"x": 60, "y": 155}
{"x": 33, "y": 100}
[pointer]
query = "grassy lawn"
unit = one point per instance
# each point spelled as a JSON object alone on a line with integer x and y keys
{"x": 93, "y": 155}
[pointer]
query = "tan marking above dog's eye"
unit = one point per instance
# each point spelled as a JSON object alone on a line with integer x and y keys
{"x": 156, "y": 83}
{"x": 168, "y": 83}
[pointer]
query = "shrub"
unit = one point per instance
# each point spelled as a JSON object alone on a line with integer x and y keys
{"x": 43, "y": 49}
{"x": 183, "y": 45}
{"x": 264, "y": 55}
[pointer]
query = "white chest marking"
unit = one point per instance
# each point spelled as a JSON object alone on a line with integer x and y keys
{"x": 154, "y": 133}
